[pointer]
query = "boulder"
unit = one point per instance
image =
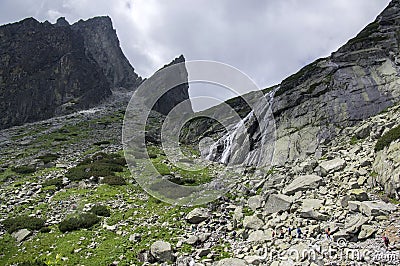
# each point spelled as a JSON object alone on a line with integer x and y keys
{"x": 366, "y": 232}
{"x": 198, "y": 215}
{"x": 162, "y": 251}
{"x": 258, "y": 236}
{"x": 334, "y": 165}
{"x": 359, "y": 194}
{"x": 255, "y": 202}
{"x": 302, "y": 183}
{"x": 277, "y": 203}
{"x": 354, "y": 206}
{"x": 252, "y": 222}
{"x": 231, "y": 262}
{"x": 254, "y": 259}
{"x": 363, "y": 131}
{"x": 315, "y": 215}
{"x": 21, "y": 234}
{"x": 354, "y": 222}
{"x": 376, "y": 208}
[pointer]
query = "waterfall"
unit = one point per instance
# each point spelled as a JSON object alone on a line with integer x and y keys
{"x": 229, "y": 141}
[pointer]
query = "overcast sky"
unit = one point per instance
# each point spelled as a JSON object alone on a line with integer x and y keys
{"x": 268, "y": 40}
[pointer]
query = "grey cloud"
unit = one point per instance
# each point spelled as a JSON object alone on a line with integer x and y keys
{"x": 268, "y": 40}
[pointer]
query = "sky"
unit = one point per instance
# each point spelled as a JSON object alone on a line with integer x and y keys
{"x": 267, "y": 40}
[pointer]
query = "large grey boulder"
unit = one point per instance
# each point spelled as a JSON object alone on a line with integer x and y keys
{"x": 259, "y": 236}
{"x": 162, "y": 251}
{"x": 387, "y": 167}
{"x": 198, "y": 215}
{"x": 376, "y": 208}
{"x": 231, "y": 262}
{"x": 309, "y": 209}
{"x": 278, "y": 202}
{"x": 255, "y": 202}
{"x": 252, "y": 222}
{"x": 334, "y": 165}
{"x": 302, "y": 183}
{"x": 353, "y": 223}
{"x": 21, "y": 234}
{"x": 366, "y": 231}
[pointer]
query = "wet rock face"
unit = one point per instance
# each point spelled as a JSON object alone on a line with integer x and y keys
{"x": 312, "y": 106}
{"x": 45, "y": 71}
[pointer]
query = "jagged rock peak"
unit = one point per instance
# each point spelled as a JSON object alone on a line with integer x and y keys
{"x": 62, "y": 22}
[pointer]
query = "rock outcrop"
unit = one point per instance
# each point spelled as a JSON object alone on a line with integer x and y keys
{"x": 101, "y": 43}
{"x": 45, "y": 71}
{"x": 312, "y": 106}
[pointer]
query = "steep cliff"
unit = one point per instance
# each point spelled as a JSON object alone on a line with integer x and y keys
{"x": 101, "y": 43}
{"x": 44, "y": 71}
{"x": 175, "y": 95}
{"x": 315, "y": 104}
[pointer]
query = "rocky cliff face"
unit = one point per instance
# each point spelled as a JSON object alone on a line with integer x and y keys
{"x": 101, "y": 43}
{"x": 312, "y": 106}
{"x": 177, "y": 94}
{"x": 51, "y": 69}
{"x": 44, "y": 71}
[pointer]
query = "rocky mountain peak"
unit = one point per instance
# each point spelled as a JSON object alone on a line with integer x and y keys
{"x": 62, "y": 22}
{"x": 101, "y": 43}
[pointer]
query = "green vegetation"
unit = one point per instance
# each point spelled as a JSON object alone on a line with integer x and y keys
{"x": 354, "y": 140}
{"x": 57, "y": 182}
{"x": 47, "y": 158}
{"x": 298, "y": 77}
{"x": 22, "y": 222}
{"x": 24, "y": 169}
{"x": 83, "y": 220}
{"x": 365, "y": 34}
{"x": 114, "y": 180}
{"x": 99, "y": 165}
{"x": 387, "y": 138}
{"x": 100, "y": 210}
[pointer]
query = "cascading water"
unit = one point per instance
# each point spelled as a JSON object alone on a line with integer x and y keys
{"x": 236, "y": 142}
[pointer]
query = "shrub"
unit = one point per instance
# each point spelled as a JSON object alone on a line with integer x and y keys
{"x": 47, "y": 158}
{"x": 114, "y": 180}
{"x": 21, "y": 222}
{"x": 83, "y": 220}
{"x": 32, "y": 263}
{"x": 100, "y": 164}
{"x": 24, "y": 169}
{"x": 100, "y": 210}
{"x": 388, "y": 138}
{"x": 103, "y": 142}
{"x": 58, "y": 182}
{"x": 45, "y": 230}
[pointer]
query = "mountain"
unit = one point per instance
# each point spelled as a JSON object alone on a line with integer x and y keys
{"x": 69, "y": 196}
{"x": 53, "y": 69}
{"x": 314, "y": 105}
